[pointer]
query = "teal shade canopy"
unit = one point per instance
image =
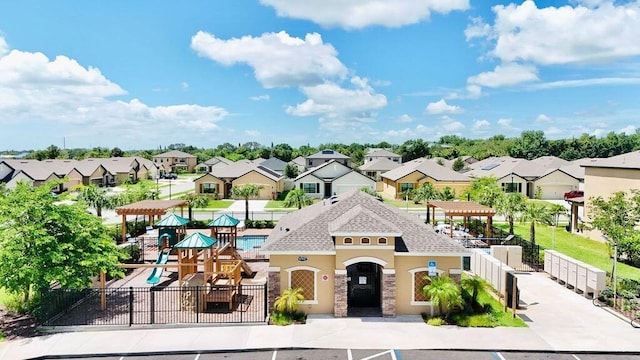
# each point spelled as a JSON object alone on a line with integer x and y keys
{"x": 171, "y": 220}
{"x": 224, "y": 220}
{"x": 196, "y": 241}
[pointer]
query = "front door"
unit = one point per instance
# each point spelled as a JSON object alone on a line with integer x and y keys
{"x": 327, "y": 190}
{"x": 363, "y": 285}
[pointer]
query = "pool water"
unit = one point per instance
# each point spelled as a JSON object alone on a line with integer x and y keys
{"x": 248, "y": 242}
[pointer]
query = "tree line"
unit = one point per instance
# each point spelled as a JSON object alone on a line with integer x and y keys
{"x": 530, "y": 144}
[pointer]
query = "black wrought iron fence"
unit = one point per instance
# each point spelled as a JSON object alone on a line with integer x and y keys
{"x": 146, "y": 306}
{"x": 530, "y": 251}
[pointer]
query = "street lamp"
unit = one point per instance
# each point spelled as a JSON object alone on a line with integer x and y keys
{"x": 169, "y": 188}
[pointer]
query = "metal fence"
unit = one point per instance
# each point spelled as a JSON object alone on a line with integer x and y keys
{"x": 530, "y": 251}
{"x": 146, "y": 306}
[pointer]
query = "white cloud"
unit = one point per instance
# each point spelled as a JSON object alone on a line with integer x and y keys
{"x": 334, "y": 101}
{"x": 477, "y": 29}
{"x": 406, "y": 133}
{"x": 451, "y": 125}
{"x": 479, "y": 125}
{"x": 185, "y": 86}
{"x": 252, "y": 133}
{"x": 62, "y": 94}
{"x": 357, "y": 14}
{"x": 504, "y": 75}
{"x": 629, "y": 130}
{"x": 278, "y": 60}
{"x": 552, "y": 131}
{"x": 599, "y": 132}
{"x": 441, "y": 107}
{"x": 543, "y": 118}
{"x": 504, "y": 122}
{"x": 404, "y": 118}
{"x": 4, "y": 47}
{"x": 598, "y": 32}
{"x": 264, "y": 97}
{"x": 586, "y": 82}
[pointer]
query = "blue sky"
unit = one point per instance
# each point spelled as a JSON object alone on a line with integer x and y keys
{"x": 140, "y": 74}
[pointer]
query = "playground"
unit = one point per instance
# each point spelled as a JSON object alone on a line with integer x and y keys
{"x": 196, "y": 277}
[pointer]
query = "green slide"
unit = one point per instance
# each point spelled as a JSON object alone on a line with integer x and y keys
{"x": 154, "y": 278}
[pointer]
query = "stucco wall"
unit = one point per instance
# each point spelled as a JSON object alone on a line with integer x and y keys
{"x": 324, "y": 289}
{"x": 554, "y": 185}
{"x": 270, "y": 187}
{"x": 606, "y": 181}
{"x": 209, "y": 179}
{"x": 404, "y": 279}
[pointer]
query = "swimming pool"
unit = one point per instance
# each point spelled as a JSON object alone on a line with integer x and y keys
{"x": 250, "y": 242}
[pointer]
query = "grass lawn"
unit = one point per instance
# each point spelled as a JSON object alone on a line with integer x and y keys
{"x": 219, "y": 204}
{"x": 276, "y": 204}
{"x": 589, "y": 251}
{"x": 404, "y": 203}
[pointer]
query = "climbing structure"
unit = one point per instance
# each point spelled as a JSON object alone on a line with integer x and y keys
{"x": 171, "y": 229}
{"x": 225, "y": 229}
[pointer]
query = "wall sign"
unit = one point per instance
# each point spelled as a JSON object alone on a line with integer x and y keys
{"x": 302, "y": 258}
{"x": 432, "y": 268}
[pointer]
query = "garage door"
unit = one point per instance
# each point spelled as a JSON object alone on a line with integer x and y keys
{"x": 341, "y": 189}
{"x": 555, "y": 192}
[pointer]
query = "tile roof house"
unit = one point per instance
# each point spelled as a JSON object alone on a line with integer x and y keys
{"x": 375, "y": 168}
{"x": 332, "y": 178}
{"x": 173, "y": 160}
{"x": 222, "y": 178}
{"x": 378, "y": 154}
{"x": 531, "y": 178}
{"x": 326, "y": 155}
{"x": 412, "y": 174}
{"x": 353, "y": 251}
{"x": 209, "y": 164}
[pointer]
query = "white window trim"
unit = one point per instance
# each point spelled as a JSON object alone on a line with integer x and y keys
{"x": 315, "y": 282}
{"x": 364, "y": 259}
{"x": 413, "y": 287}
{"x": 386, "y": 241}
{"x": 367, "y": 244}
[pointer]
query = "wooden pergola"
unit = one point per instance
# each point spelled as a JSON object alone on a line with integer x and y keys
{"x": 151, "y": 208}
{"x": 464, "y": 209}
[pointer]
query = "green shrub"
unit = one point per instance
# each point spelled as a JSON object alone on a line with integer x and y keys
{"x": 130, "y": 253}
{"x": 197, "y": 224}
{"x": 436, "y": 321}
{"x": 282, "y": 195}
{"x": 270, "y": 224}
{"x": 283, "y": 319}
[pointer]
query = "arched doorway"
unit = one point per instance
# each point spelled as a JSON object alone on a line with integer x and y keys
{"x": 363, "y": 289}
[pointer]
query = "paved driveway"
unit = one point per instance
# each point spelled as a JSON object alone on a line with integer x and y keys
{"x": 568, "y": 321}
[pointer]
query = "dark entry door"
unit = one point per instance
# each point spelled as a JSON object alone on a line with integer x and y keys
{"x": 327, "y": 189}
{"x": 363, "y": 285}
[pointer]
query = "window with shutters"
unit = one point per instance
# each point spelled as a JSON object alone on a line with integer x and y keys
{"x": 305, "y": 277}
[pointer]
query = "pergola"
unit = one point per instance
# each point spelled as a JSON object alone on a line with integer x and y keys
{"x": 151, "y": 208}
{"x": 464, "y": 209}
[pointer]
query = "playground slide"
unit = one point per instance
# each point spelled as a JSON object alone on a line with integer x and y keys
{"x": 154, "y": 278}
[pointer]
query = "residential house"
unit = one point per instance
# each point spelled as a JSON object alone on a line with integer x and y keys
{"x": 332, "y": 178}
{"x": 326, "y": 155}
{"x": 38, "y": 172}
{"x": 274, "y": 164}
{"x": 118, "y": 169}
{"x": 603, "y": 177}
{"x": 379, "y": 154}
{"x": 222, "y": 178}
{"x": 174, "y": 160}
{"x": 375, "y": 168}
{"x": 466, "y": 161}
{"x": 529, "y": 178}
{"x": 411, "y": 175}
{"x": 354, "y": 252}
{"x": 208, "y": 165}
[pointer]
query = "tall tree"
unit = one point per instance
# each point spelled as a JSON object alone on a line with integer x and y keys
{"x": 246, "y": 192}
{"x": 442, "y": 290}
{"x": 447, "y": 194}
{"x": 474, "y": 284}
{"x": 42, "y": 242}
{"x": 534, "y": 213}
{"x": 617, "y": 218}
{"x": 425, "y": 193}
{"x": 97, "y": 198}
{"x": 531, "y": 145}
{"x": 297, "y": 198}
{"x": 291, "y": 171}
{"x": 510, "y": 205}
{"x": 195, "y": 201}
{"x": 117, "y": 152}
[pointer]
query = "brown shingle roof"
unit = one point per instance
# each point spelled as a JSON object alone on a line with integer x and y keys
{"x": 426, "y": 167}
{"x": 309, "y": 229}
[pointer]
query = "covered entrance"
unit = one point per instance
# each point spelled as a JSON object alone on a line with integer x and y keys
{"x": 363, "y": 289}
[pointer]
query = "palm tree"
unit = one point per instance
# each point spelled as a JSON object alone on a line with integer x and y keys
{"x": 195, "y": 201}
{"x": 245, "y": 192}
{"x": 443, "y": 290}
{"x": 510, "y": 205}
{"x": 473, "y": 284}
{"x": 425, "y": 193}
{"x": 288, "y": 301}
{"x": 297, "y": 198}
{"x": 555, "y": 210}
{"x": 535, "y": 212}
{"x": 97, "y": 198}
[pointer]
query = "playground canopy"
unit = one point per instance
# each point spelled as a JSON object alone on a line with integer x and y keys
{"x": 151, "y": 208}
{"x": 196, "y": 241}
{"x": 224, "y": 221}
{"x": 171, "y": 220}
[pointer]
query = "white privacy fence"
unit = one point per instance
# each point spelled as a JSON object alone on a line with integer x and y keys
{"x": 491, "y": 269}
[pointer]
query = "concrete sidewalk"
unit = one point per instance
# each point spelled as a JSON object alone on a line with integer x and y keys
{"x": 558, "y": 319}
